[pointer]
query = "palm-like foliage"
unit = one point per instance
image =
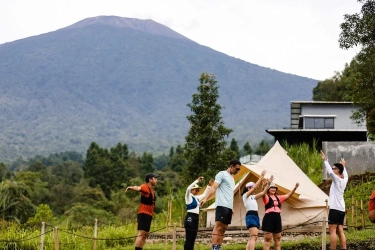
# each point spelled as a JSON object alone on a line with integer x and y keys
{"x": 14, "y": 201}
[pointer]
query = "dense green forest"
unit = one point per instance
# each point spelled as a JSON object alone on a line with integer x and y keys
{"x": 70, "y": 185}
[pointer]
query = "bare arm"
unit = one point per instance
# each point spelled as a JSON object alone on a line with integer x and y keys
{"x": 291, "y": 192}
{"x": 252, "y": 190}
{"x": 265, "y": 187}
{"x": 210, "y": 193}
{"x": 210, "y": 182}
{"x": 133, "y": 188}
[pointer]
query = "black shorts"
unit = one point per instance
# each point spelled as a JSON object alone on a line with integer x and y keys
{"x": 144, "y": 222}
{"x": 336, "y": 217}
{"x": 272, "y": 223}
{"x": 223, "y": 214}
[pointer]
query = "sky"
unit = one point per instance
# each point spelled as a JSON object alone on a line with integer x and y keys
{"x": 299, "y": 37}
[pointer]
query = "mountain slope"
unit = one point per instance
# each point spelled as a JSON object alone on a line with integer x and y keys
{"x": 112, "y": 79}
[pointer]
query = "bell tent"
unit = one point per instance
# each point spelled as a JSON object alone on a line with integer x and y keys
{"x": 307, "y": 207}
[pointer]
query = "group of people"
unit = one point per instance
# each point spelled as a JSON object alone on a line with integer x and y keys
{"x": 223, "y": 187}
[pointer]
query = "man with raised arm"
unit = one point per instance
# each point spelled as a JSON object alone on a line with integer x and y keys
{"x": 336, "y": 214}
{"x": 223, "y": 186}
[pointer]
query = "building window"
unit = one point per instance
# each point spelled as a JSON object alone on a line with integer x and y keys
{"x": 328, "y": 123}
{"x": 319, "y": 122}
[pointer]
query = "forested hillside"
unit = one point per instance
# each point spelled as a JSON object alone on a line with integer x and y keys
{"x": 127, "y": 80}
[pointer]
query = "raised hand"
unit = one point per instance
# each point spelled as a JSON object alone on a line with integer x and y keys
{"x": 342, "y": 161}
{"x": 323, "y": 155}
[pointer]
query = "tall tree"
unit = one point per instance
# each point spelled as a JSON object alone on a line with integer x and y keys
{"x": 161, "y": 161}
{"x": 339, "y": 87}
{"x": 234, "y": 147}
{"x": 171, "y": 152}
{"x": 177, "y": 161}
{"x": 146, "y": 162}
{"x": 3, "y": 171}
{"x": 247, "y": 149}
{"x": 358, "y": 30}
{"x": 205, "y": 147}
{"x": 262, "y": 148}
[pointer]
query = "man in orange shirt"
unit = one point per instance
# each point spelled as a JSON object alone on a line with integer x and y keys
{"x": 146, "y": 208}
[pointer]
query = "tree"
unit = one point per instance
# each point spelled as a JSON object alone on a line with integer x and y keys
{"x": 82, "y": 214}
{"x": 37, "y": 189}
{"x": 70, "y": 172}
{"x": 234, "y": 147}
{"x": 43, "y": 214}
{"x": 247, "y": 149}
{"x": 339, "y": 87}
{"x": 205, "y": 148}
{"x": 171, "y": 152}
{"x": 3, "y": 171}
{"x": 262, "y": 148}
{"x": 161, "y": 161}
{"x": 107, "y": 168}
{"x": 61, "y": 197}
{"x": 146, "y": 162}
{"x": 177, "y": 161}
{"x": 358, "y": 30}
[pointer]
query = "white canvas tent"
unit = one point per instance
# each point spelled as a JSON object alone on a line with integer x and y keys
{"x": 306, "y": 207}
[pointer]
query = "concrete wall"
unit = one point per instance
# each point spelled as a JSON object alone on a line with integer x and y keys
{"x": 359, "y": 156}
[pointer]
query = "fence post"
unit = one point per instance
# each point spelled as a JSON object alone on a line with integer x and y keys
{"x": 42, "y": 236}
{"x": 182, "y": 213}
{"x": 363, "y": 215}
{"x": 324, "y": 234}
{"x": 56, "y": 238}
{"x": 95, "y": 233}
{"x": 166, "y": 229}
{"x": 174, "y": 236}
{"x": 170, "y": 212}
{"x": 353, "y": 210}
{"x": 356, "y": 214}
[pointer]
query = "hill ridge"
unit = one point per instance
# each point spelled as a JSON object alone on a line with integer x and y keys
{"x": 147, "y": 25}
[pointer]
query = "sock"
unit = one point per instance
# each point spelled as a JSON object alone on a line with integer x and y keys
{"x": 138, "y": 248}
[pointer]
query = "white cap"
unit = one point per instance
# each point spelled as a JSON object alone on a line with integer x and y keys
{"x": 250, "y": 184}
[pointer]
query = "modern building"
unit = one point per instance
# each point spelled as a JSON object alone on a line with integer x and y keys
{"x": 320, "y": 121}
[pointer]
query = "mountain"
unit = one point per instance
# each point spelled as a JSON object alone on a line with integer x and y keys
{"x": 111, "y": 79}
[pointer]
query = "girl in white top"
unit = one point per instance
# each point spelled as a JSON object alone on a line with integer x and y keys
{"x": 250, "y": 202}
{"x": 192, "y": 206}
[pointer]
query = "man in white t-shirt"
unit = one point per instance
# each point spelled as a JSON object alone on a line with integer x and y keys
{"x": 336, "y": 214}
{"x": 224, "y": 187}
